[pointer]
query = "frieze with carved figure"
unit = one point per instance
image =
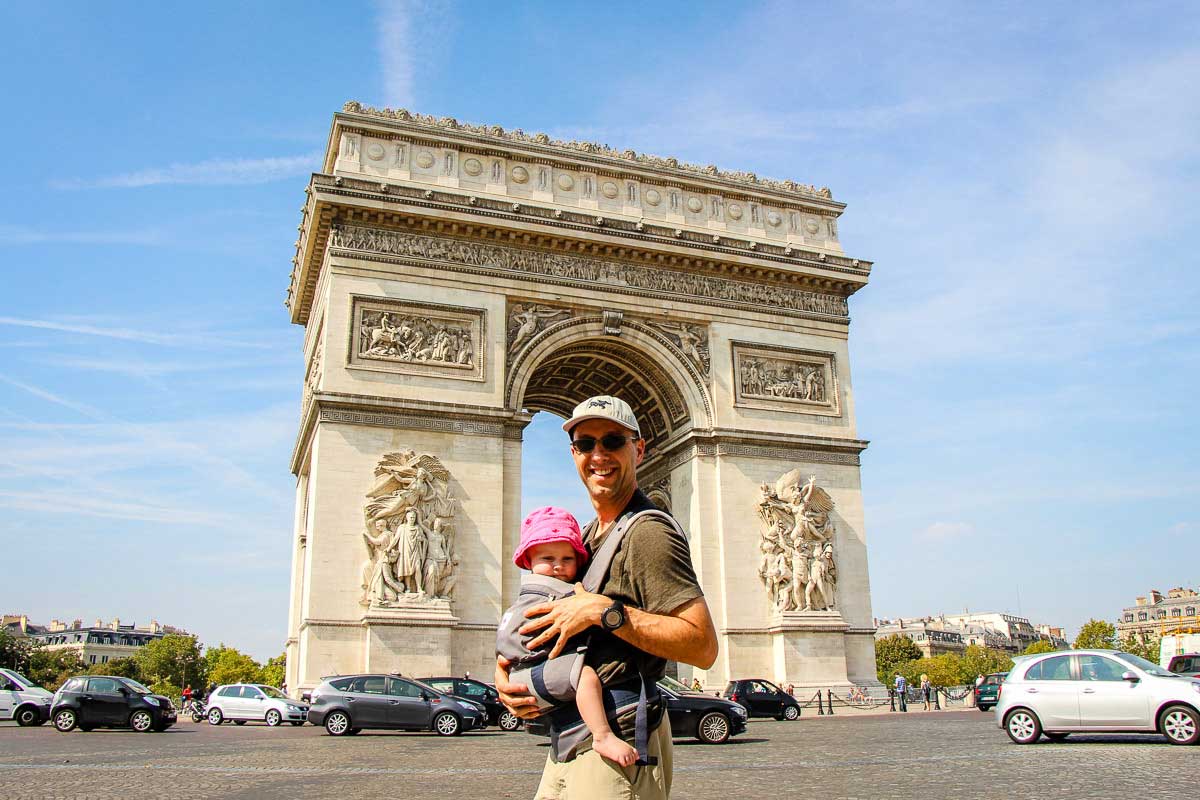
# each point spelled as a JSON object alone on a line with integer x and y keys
{"x": 796, "y": 546}
{"x": 417, "y": 338}
{"x": 785, "y": 379}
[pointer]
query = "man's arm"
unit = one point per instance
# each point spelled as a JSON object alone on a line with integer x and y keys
{"x": 685, "y": 634}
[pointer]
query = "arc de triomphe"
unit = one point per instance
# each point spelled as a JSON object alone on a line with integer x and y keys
{"x": 454, "y": 280}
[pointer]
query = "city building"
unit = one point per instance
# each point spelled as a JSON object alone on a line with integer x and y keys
{"x": 1156, "y": 614}
{"x": 1019, "y": 632}
{"x": 99, "y": 643}
{"x": 932, "y": 635}
{"x": 1054, "y": 635}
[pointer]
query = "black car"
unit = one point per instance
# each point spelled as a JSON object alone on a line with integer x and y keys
{"x": 477, "y": 692}
{"x": 95, "y": 701}
{"x": 706, "y": 717}
{"x": 761, "y": 698}
{"x": 346, "y": 704}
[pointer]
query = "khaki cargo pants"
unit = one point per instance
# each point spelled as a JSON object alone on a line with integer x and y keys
{"x": 592, "y": 777}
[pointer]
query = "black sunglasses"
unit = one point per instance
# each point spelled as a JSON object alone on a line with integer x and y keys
{"x": 611, "y": 442}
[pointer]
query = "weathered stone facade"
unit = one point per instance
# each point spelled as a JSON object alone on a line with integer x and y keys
{"x": 453, "y": 280}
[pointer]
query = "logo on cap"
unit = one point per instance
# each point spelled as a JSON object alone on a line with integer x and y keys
{"x": 599, "y": 403}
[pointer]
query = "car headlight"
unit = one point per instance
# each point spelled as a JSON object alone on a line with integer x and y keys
{"x": 1196, "y": 687}
{"x": 294, "y": 708}
{"x": 740, "y": 711}
{"x": 151, "y": 700}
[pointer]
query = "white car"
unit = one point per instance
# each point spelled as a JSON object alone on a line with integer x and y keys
{"x": 23, "y": 700}
{"x": 1096, "y": 691}
{"x": 244, "y": 702}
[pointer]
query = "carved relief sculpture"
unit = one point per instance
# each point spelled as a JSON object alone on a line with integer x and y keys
{"x": 692, "y": 341}
{"x": 796, "y": 547}
{"x": 417, "y": 338}
{"x": 785, "y": 379}
{"x": 526, "y": 320}
{"x": 409, "y": 532}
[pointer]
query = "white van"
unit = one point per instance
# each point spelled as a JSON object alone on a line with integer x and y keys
{"x": 23, "y": 700}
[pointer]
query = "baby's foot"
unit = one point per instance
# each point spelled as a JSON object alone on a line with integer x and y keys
{"x": 614, "y": 749}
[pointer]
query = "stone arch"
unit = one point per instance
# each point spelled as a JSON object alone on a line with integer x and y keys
{"x": 581, "y": 357}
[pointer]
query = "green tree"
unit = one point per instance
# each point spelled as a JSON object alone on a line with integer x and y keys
{"x": 1040, "y": 646}
{"x": 124, "y": 667}
{"x": 891, "y": 653}
{"x": 230, "y": 665}
{"x": 49, "y": 668}
{"x": 172, "y": 661}
{"x": 979, "y": 660}
{"x": 274, "y": 671}
{"x": 943, "y": 671}
{"x": 1096, "y": 634}
{"x": 14, "y": 651}
{"x": 1149, "y": 649}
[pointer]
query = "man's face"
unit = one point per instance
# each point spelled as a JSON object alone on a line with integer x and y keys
{"x": 608, "y": 475}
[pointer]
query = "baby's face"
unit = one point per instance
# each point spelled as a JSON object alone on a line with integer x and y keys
{"x": 554, "y": 559}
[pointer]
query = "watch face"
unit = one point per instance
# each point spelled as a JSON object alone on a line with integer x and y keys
{"x": 613, "y": 618}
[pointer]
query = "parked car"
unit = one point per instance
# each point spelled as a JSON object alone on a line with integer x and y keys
{"x": 95, "y": 701}
{"x": 762, "y": 698}
{"x": 347, "y": 704}
{"x": 988, "y": 690}
{"x": 706, "y": 717}
{"x": 477, "y": 692}
{"x": 247, "y": 702}
{"x": 23, "y": 700}
{"x": 1188, "y": 666}
{"x": 1096, "y": 691}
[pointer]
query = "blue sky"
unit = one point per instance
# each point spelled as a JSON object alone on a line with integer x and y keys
{"x": 1024, "y": 360}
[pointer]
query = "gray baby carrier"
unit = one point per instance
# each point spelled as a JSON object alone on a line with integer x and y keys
{"x": 554, "y": 681}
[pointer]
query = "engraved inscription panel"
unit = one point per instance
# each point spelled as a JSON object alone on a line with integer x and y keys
{"x": 785, "y": 379}
{"x": 417, "y": 338}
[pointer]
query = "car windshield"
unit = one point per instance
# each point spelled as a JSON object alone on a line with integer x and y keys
{"x": 137, "y": 687}
{"x": 672, "y": 684}
{"x": 1149, "y": 667}
{"x": 427, "y": 687}
{"x": 272, "y": 692}
{"x": 23, "y": 680}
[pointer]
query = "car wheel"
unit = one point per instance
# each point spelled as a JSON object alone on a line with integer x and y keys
{"x": 274, "y": 718}
{"x": 1180, "y": 725}
{"x": 985, "y": 709}
{"x": 447, "y": 724}
{"x": 26, "y": 716}
{"x": 66, "y": 720}
{"x": 1056, "y": 737}
{"x": 791, "y": 713}
{"x": 215, "y": 717}
{"x": 141, "y": 721}
{"x": 239, "y": 722}
{"x": 713, "y": 728}
{"x": 1023, "y": 726}
{"x": 197, "y": 717}
{"x": 337, "y": 723}
{"x": 509, "y": 721}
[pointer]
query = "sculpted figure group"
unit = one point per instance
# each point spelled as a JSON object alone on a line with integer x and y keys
{"x": 408, "y": 338}
{"x": 409, "y": 532}
{"x": 796, "y": 563}
{"x": 795, "y": 380}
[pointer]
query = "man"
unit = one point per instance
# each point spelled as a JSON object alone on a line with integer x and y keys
{"x": 901, "y": 689}
{"x": 650, "y": 609}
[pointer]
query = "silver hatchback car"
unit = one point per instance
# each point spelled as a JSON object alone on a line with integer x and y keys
{"x": 1096, "y": 691}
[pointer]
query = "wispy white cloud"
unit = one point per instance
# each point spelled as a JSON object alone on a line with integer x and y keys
{"x": 136, "y": 335}
{"x": 947, "y": 531}
{"x": 50, "y": 397}
{"x": 396, "y": 44}
{"x": 17, "y": 235}
{"x": 140, "y": 368}
{"x": 213, "y": 172}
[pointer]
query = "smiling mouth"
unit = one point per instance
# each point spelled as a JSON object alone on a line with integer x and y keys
{"x": 604, "y": 473}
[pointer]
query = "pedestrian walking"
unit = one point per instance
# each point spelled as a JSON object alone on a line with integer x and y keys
{"x": 901, "y": 687}
{"x": 650, "y": 597}
{"x": 696, "y": 687}
{"x": 792, "y": 689}
{"x": 926, "y": 691}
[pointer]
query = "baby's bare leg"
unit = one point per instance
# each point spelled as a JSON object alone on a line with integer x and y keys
{"x": 589, "y": 699}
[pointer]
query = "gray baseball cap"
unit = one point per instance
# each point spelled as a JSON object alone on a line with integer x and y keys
{"x": 604, "y": 407}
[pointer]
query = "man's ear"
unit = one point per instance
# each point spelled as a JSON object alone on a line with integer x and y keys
{"x": 640, "y": 446}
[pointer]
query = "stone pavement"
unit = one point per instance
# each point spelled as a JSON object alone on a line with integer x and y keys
{"x": 956, "y": 754}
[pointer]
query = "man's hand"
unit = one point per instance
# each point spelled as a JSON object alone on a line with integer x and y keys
{"x": 515, "y": 696}
{"x": 564, "y": 618}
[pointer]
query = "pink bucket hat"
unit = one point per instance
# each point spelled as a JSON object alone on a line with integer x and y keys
{"x": 546, "y": 525}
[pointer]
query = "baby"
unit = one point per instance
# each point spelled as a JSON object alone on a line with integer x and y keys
{"x": 552, "y": 547}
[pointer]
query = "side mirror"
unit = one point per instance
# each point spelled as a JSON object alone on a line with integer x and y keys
{"x": 425, "y": 696}
{"x": 1130, "y": 675}
{"x": 123, "y": 690}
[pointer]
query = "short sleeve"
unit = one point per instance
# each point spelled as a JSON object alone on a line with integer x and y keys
{"x": 659, "y": 563}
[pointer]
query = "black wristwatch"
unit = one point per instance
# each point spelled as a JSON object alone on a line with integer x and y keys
{"x": 613, "y": 616}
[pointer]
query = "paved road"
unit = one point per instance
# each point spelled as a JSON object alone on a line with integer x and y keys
{"x": 937, "y": 755}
